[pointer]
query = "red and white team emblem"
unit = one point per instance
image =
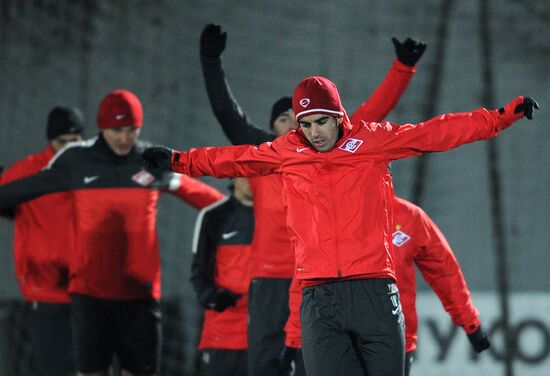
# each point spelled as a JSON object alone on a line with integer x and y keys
{"x": 143, "y": 178}
{"x": 351, "y": 145}
{"x": 400, "y": 238}
{"x": 304, "y": 102}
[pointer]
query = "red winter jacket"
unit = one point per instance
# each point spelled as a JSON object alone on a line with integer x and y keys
{"x": 272, "y": 254}
{"x": 417, "y": 241}
{"x": 44, "y": 236}
{"x": 339, "y": 201}
{"x": 221, "y": 246}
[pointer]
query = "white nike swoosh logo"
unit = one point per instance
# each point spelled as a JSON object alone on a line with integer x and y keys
{"x": 118, "y": 117}
{"x": 299, "y": 150}
{"x": 89, "y": 179}
{"x": 396, "y": 311}
{"x": 227, "y": 235}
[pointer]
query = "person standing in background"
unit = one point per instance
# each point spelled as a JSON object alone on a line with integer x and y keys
{"x": 44, "y": 239}
{"x": 221, "y": 276}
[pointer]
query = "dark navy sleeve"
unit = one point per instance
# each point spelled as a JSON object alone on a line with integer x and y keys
{"x": 235, "y": 124}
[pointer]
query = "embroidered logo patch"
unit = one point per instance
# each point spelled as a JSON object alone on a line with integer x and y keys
{"x": 351, "y": 145}
{"x": 304, "y": 102}
{"x": 400, "y": 238}
{"x": 143, "y": 178}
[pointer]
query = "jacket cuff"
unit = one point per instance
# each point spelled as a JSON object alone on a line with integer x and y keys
{"x": 295, "y": 343}
{"x": 472, "y": 327}
{"x": 177, "y": 162}
{"x": 402, "y": 67}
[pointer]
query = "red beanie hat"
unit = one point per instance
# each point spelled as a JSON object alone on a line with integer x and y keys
{"x": 120, "y": 108}
{"x": 316, "y": 95}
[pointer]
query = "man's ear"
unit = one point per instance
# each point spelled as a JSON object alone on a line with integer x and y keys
{"x": 339, "y": 121}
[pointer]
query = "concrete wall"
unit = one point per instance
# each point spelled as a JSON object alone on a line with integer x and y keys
{"x": 74, "y": 52}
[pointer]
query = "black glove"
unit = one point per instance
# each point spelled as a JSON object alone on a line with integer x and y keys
{"x": 284, "y": 364}
{"x": 158, "y": 158}
{"x": 212, "y": 41}
{"x": 410, "y": 51}
{"x": 527, "y": 107}
{"x": 223, "y": 299}
{"x": 479, "y": 340}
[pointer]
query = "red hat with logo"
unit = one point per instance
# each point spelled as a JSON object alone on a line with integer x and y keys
{"x": 316, "y": 95}
{"x": 120, "y": 108}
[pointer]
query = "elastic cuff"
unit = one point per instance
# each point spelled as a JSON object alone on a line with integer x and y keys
{"x": 295, "y": 343}
{"x": 403, "y": 67}
{"x": 177, "y": 162}
{"x": 471, "y": 328}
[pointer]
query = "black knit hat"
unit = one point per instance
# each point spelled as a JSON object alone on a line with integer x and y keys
{"x": 64, "y": 120}
{"x": 282, "y": 105}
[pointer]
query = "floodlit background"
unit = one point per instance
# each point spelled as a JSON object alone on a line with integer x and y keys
{"x": 63, "y": 52}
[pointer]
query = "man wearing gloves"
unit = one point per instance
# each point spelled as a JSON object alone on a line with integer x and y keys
{"x": 114, "y": 273}
{"x": 339, "y": 192}
{"x": 272, "y": 253}
{"x": 41, "y": 252}
{"x": 220, "y": 275}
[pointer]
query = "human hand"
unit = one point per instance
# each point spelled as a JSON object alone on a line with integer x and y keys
{"x": 284, "y": 363}
{"x": 520, "y": 107}
{"x": 409, "y": 51}
{"x": 158, "y": 158}
{"x": 479, "y": 340}
{"x": 222, "y": 299}
{"x": 212, "y": 41}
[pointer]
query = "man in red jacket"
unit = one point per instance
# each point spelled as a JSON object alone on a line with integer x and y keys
{"x": 41, "y": 253}
{"x": 114, "y": 273}
{"x": 220, "y": 276}
{"x": 417, "y": 241}
{"x": 272, "y": 254}
{"x": 339, "y": 193}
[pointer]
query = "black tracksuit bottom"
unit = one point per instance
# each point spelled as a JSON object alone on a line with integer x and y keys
{"x": 343, "y": 318}
{"x": 267, "y": 314}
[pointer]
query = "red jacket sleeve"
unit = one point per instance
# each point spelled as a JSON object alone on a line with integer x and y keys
{"x": 229, "y": 161}
{"x": 386, "y": 95}
{"x": 438, "y": 265}
{"x": 441, "y": 133}
{"x": 293, "y": 337}
{"x": 20, "y": 170}
{"x": 193, "y": 191}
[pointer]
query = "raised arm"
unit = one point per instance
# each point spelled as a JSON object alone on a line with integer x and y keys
{"x": 441, "y": 270}
{"x": 390, "y": 90}
{"x": 235, "y": 124}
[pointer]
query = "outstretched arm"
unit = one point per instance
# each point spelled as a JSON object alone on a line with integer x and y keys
{"x": 446, "y": 131}
{"x": 193, "y": 191}
{"x": 235, "y": 124}
{"x": 219, "y": 162}
{"x": 22, "y": 190}
{"x": 390, "y": 90}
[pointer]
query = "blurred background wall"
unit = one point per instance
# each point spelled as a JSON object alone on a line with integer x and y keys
{"x": 69, "y": 52}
